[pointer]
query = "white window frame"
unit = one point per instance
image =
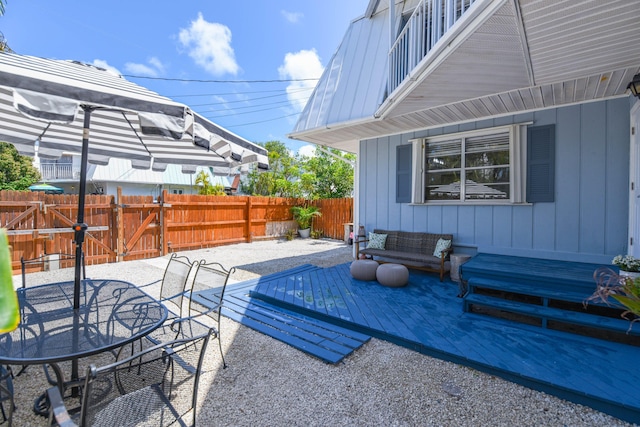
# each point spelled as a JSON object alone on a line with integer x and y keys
{"x": 517, "y": 165}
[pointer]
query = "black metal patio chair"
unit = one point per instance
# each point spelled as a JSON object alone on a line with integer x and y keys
{"x": 173, "y": 285}
{"x": 207, "y": 293}
{"x": 156, "y": 386}
{"x": 47, "y": 261}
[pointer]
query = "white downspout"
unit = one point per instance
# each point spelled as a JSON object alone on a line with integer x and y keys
{"x": 356, "y": 198}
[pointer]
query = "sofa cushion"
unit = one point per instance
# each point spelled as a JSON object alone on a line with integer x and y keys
{"x": 377, "y": 241}
{"x": 392, "y": 239}
{"x": 441, "y": 245}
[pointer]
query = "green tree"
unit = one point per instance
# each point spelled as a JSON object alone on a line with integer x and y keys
{"x": 208, "y": 188}
{"x": 281, "y": 180}
{"x": 16, "y": 171}
{"x": 328, "y": 176}
{"x": 323, "y": 176}
{"x": 4, "y": 47}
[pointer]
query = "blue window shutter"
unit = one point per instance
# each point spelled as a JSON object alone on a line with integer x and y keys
{"x": 541, "y": 156}
{"x": 403, "y": 173}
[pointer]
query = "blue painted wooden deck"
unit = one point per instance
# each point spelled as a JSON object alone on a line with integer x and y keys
{"x": 318, "y": 338}
{"x": 426, "y": 316}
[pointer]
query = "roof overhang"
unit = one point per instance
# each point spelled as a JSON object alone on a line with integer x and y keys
{"x": 507, "y": 57}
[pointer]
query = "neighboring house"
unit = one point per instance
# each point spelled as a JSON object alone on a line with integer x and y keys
{"x": 64, "y": 173}
{"x": 505, "y": 122}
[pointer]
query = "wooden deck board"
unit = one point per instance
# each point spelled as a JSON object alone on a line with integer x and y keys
{"x": 428, "y": 317}
{"x": 320, "y": 339}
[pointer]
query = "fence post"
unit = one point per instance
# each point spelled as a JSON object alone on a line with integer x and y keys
{"x": 248, "y": 222}
{"x": 119, "y": 226}
{"x": 164, "y": 229}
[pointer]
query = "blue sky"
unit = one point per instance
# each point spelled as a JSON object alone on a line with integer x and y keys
{"x": 245, "y": 40}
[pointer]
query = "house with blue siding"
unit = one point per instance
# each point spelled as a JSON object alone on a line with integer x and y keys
{"x": 507, "y": 123}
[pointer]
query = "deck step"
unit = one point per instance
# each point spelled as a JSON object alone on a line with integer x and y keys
{"x": 549, "y": 313}
{"x": 530, "y": 270}
{"x": 541, "y": 290}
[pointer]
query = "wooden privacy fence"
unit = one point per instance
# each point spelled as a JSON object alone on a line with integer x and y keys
{"x": 136, "y": 227}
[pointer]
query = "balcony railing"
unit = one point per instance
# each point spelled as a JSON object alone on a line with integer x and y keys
{"x": 429, "y": 22}
{"x": 58, "y": 171}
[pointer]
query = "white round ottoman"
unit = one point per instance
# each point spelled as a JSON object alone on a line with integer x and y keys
{"x": 364, "y": 269}
{"x": 392, "y": 275}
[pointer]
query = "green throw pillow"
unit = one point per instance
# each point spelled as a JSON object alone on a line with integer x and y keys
{"x": 377, "y": 241}
{"x": 441, "y": 246}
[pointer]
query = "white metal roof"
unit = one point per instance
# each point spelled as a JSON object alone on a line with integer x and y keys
{"x": 120, "y": 171}
{"x": 505, "y": 57}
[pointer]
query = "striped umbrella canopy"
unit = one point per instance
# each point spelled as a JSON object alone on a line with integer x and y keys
{"x": 71, "y": 107}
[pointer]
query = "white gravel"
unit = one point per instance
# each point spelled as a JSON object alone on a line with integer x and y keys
{"x": 269, "y": 383}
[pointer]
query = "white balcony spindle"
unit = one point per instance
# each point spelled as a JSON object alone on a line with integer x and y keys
{"x": 429, "y": 22}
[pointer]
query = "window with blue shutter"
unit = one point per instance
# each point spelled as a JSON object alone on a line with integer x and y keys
{"x": 541, "y": 150}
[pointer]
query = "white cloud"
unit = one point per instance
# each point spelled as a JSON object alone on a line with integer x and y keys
{"x": 155, "y": 62}
{"x": 140, "y": 69}
{"x": 154, "y": 69}
{"x": 307, "y": 150}
{"x": 209, "y": 44}
{"x": 101, "y": 63}
{"x": 292, "y": 17}
{"x": 300, "y": 65}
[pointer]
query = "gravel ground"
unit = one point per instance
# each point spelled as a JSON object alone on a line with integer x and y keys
{"x": 270, "y": 383}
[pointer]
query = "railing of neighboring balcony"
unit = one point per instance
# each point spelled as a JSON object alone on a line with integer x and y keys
{"x": 56, "y": 171}
{"x": 429, "y": 22}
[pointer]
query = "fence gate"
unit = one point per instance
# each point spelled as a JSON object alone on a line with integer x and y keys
{"x": 139, "y": 227}
{"x": 40, "y": 224}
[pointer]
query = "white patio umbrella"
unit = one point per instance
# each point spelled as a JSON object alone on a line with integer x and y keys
{"x": 69, "y": 106}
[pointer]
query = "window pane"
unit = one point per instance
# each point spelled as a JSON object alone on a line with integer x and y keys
{"x": 485, "y": 169}
{"x": 487, "y": 183}
{"x": 487, "y": 150}
{"x": 444, "y": 155}
{"x": 487, "y": 143}
{"x": 443, "y": 170}
{"x": 443, "y": 186}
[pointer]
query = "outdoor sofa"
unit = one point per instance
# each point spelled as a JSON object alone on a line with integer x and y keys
{"x": 413, "y": 249}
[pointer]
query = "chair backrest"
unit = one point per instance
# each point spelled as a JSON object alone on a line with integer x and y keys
{"x": 208, "y": 287}
{"x": 174, "y": 282}
{"x": 49, "y": 262}
{"x": 157, "y": 386}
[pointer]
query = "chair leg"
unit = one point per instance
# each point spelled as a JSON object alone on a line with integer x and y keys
{"x": 224, "y": 364}
{"x": 21, "y": 371}
{"x": 6, "y": 395}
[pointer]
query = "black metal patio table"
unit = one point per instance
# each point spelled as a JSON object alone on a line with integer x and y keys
{"x": 112, "y": 313}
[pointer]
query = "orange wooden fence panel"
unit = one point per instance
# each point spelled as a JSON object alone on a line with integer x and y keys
{"x": 335, "y": 214}
{"x": 136, "y": 227}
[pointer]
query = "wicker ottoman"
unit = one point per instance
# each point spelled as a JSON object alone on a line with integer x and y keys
{"x": 364, "y": 269}
{"x": 392, "y": 275}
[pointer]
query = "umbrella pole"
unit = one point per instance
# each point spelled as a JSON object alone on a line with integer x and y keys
{"x": 80, "y": 227}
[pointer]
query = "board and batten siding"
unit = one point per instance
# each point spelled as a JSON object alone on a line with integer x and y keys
{"x": 586, "y": 221}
